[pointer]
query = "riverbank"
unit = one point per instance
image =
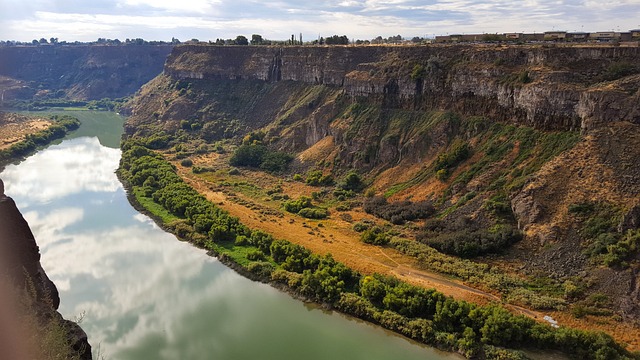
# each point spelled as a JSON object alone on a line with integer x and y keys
{"x": 424, "y": 315}
{"x": 21, "y": 136}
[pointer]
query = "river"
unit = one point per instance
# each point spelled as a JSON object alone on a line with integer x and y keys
{"x": 142, "y": 294}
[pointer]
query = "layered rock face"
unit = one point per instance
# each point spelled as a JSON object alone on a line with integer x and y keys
{"x": 79, "y": 72}
{"x": 554, "y": 88}
{"x": 20, "y": 265}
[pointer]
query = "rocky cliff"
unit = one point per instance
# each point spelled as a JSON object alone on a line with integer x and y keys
{"x": 34, "y": 297}
{"x": 80, "y": 72}
{"x": 546, "y": 87}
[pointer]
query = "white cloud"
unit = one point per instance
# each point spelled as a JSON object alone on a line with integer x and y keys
{"x": 365, "y": 19}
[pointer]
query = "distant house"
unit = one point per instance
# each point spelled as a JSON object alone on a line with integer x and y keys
{"x": 635, "y": 34}
{"x": 555, "y": 35}
{"x": 533, "y": 37}
{"x": 626, "y": 36}
{"x": 513, "y": 36}
{"x": 604, "y": 36}
{"x": 578, "y": 36}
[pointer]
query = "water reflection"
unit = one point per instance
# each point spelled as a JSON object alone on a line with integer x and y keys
{"x": 74, "y": 167}
{"x": 146, "y": 295}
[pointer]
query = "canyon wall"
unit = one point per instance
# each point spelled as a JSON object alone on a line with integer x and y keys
{"x": 83, "y": 72}
{"x": 547, "y": 87}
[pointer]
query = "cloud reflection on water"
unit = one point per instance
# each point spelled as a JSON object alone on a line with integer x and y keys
{"x": 34, "y": 182}
{"x": 146, "y": 295}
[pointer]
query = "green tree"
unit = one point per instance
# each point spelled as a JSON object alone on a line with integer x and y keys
{"x": 256, "y": 39}
{"x": 241, "y": 40}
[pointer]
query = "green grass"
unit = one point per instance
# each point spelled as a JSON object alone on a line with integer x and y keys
{"x": 239, "y": 254}
{"x": 154, "y": 208}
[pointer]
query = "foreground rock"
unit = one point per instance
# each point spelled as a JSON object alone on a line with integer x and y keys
{"x": 36, "y": 293}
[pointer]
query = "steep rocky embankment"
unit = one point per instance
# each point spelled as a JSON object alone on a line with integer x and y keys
{"x": 543, "y": 87}
{"x": 528, "y": 154}
{"x": 78, "y": 72}
{"x": 30, "y": 326}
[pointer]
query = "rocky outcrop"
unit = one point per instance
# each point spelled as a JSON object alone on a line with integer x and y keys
{"x": 84, "y": 72}
{"x": 555, "y": 88}
{"x": 20, "y": 264}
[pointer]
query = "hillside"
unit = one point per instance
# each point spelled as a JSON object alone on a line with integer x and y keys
{"x": 518, "y": 164}
{"x": 82, "y": 72}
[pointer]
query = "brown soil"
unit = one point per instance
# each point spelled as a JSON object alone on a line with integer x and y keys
{"x": 332, "y": 235}
{"x": 15, "y": 127}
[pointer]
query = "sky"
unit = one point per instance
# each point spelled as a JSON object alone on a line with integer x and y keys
{"x": 88, "y": 20}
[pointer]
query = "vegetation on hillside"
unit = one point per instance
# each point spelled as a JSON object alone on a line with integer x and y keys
{"x": 424, "y": 315}
{"x": 62, "y": 102}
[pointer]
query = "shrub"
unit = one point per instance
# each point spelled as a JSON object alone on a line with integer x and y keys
{"x": 275, "y": 161}
{"x": 499, "y": 206}
{"x": 255, "y": 255}
{"x": 398, "y": 212}
{"x": 294, "y": 206}
{"x": 619, "y": 70}
{"x": 375, "y": 236}
{"x": 199, "y": 170}
{"x": 257, "y": 155}
{"x": 241, "y": 240}
{"x": 351, "y": 182}
{"x": 459, "y": 152}
{"x": 248, "y": 155}
{"x": 343, "y": 207}
{"x": 261, "y": 268}
{"x": 313, "y": 213}
{"x": 316, "y": 178}
{"x": 363, "y": 225}
{"x": 186, "y": 162}
{"x": 468, "y": 243}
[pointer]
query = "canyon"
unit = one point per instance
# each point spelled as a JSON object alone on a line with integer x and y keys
{"x": 551, "y": 136}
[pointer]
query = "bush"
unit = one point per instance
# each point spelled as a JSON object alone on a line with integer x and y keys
{"x": 255, "y": 255}
{"x": 275, "y": 161}
{"x": 186, "y": 162}
{"x": 500, "y": 207}
{"x": 375, "y": 236}
{"x": 351, "y": 182}
{"x": 458, "y": 153}
{"x": 398, "y": 212}
{"x": 313, "y": 213}
{"x": 261, "y": 268}
{"x": 294, "y": 206}
{"x": 361, "y": 226}
{"x": 316, "y": 178}
{"x": 248, "y": 155}
{"x": 258, "y": 156}
{"x": 468, "y": 243}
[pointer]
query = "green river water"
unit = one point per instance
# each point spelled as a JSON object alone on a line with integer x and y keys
{"x": 145, "y": 295}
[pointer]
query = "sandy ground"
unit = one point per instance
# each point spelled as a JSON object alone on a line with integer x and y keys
{"x": 14, "y": 128}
